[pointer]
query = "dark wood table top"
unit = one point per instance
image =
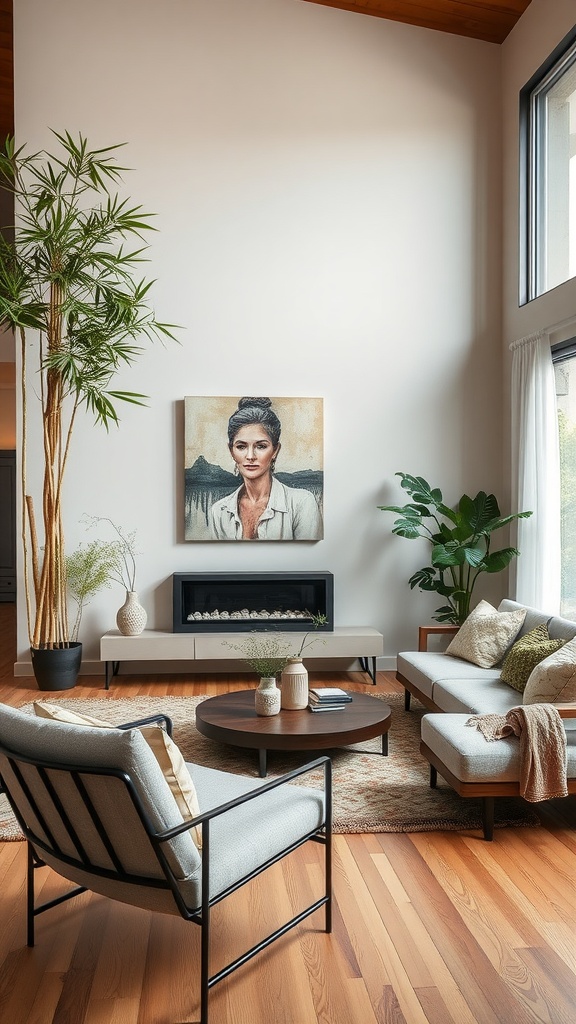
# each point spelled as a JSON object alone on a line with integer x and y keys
{"x": 231, "y": 718}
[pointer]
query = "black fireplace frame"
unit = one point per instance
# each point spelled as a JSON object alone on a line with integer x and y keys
{"x": 311, "y": 592}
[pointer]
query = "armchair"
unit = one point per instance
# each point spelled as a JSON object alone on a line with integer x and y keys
{"x": 93, "y": 804}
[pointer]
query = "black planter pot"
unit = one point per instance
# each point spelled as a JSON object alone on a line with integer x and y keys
{"x": 57, "y": 668}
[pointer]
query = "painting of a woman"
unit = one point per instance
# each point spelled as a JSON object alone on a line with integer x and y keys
{"x": 263, "y": 506}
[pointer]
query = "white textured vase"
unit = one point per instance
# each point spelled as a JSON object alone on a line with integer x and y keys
{"x": 131, "y": 617}
{"x": 294, "y": 684}
{"x": 267, "y": 697}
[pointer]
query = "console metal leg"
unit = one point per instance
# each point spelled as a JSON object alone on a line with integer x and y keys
{"x": 111, "y": 669}
{"x": 365, "y": 668}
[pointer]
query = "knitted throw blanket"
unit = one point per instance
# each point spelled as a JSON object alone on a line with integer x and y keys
{"x": 542, "y": 747}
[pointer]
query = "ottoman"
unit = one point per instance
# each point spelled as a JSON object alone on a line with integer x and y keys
{"x": 475, "y": 767}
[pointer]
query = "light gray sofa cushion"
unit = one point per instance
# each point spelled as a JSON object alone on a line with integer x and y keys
{"x": 558, "y": 628}
{"x": 478, "y": 697}
{"x": 471, "y": 758}
{"x": 425, "y": 668}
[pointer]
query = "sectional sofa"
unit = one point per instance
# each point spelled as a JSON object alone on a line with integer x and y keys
{"x": 453, "y": 689}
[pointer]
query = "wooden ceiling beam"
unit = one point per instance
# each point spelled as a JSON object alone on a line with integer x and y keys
{"x": 488, "y": 20}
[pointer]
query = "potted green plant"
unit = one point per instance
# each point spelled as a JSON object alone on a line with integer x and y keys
{"x": 460, "y": 538}
{"x": 69, "y": 291}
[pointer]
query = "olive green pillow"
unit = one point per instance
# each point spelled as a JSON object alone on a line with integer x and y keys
{"x": 525, "y": 654}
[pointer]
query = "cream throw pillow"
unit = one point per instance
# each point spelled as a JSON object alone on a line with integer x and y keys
{"x": 166, "y": 752}
{"x": 553, "y": 681}
{"x": 485, "y": 636}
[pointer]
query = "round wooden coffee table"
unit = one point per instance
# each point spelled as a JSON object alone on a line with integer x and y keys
{"x": 231, "y": 718}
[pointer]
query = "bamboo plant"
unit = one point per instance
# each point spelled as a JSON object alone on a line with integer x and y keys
{"x": 70, "y": 291}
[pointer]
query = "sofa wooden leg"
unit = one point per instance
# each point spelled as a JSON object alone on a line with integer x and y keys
{"x": 407, "y": 696}
{"x": 488, "y": 817}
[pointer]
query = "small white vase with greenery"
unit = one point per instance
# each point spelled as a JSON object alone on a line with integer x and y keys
{"x": 120, "y": 554}
{"x": 294, "y": 681}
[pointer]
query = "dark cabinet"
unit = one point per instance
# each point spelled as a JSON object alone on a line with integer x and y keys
{"x": 7, "y": 526}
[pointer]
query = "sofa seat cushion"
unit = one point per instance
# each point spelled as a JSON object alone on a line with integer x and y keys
{"x": 470, "y": 758}
{"x": 425, "y": 668}
{"x": 480, "y": 697}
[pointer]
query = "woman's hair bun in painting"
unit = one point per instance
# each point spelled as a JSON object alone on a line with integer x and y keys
{"x": 246, "y": 403}
{"x": 255, "y": 410}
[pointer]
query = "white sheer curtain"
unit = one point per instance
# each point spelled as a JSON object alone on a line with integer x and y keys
{"x": 536, "y": 472}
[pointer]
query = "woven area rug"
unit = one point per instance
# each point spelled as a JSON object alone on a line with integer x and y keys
{"x": 372, "y": 793}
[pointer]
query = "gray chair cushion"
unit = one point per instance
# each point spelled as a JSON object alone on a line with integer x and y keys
{"x": 241, "y": 840}
{"x": 112, "y": 748}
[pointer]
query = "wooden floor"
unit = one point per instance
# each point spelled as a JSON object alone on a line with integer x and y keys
{"x": 431, "y": 927}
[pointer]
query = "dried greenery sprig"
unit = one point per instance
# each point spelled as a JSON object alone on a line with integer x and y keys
{"x": 268, "y": 653}
{"x": 89, "y": 569}
{"x": 122, "y": 552}
{"x": 265, "y": 653}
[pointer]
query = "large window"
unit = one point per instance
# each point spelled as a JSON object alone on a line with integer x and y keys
{"x": 548, "y": 173}
{"x": 564, "y": 358}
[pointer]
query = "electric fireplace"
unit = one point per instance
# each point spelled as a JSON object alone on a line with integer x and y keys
{"x": 247, "y": 601}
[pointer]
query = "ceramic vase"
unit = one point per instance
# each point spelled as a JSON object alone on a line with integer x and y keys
{"x": 131, "y": 617}
{"x": 294, "y": 685}
{"x": 267, "y": 697}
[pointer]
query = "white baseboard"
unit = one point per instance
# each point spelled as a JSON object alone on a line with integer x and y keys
{"x": 94, "y": 667}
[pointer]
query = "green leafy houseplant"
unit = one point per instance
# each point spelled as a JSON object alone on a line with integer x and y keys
{"x": 69, "y": 290}
{"x": 460, "y": 538}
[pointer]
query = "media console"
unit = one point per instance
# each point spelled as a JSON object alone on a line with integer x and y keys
{"x": 360, "y": 642}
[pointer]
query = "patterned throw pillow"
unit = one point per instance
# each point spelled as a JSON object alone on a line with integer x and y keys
{"x": 486, "y": 635}
{"x": 554, "y": 679}
{"x": 525, "y": 654}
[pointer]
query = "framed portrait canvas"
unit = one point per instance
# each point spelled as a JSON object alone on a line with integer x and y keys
{"x": 253, "y": 468}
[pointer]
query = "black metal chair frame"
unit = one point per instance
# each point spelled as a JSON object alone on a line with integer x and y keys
{"x": 197, "y": 915}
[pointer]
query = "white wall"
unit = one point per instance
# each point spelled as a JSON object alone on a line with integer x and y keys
{"x": 328, "y": 195}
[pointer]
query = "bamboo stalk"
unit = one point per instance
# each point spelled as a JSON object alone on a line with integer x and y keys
{"x": 23, "y": 478}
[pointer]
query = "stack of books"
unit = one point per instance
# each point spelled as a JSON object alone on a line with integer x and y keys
{"x": 328, "y": 698}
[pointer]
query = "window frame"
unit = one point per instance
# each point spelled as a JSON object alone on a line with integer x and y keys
{"x": 550, "y": 68}
{"x": 561, "y": 352}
